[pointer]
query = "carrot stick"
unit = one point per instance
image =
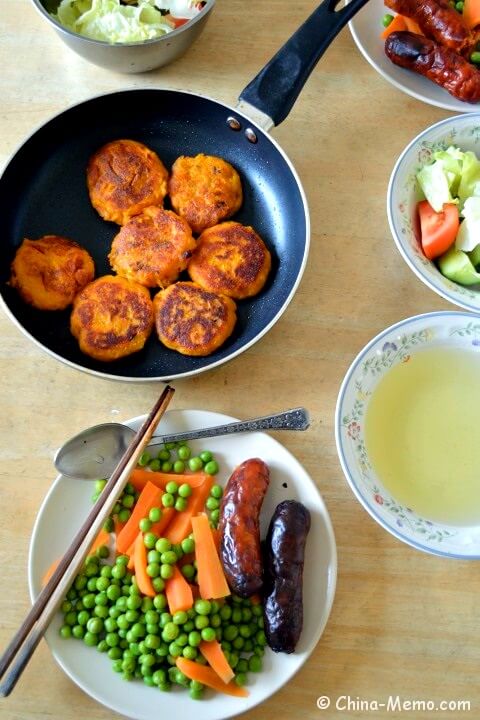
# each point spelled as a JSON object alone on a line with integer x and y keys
{"x": 131, "y": 556}
{"x": 209, "y": 677}
{"x": 179, "y": 593}
{"x": 214, "y": 655}
{"x": 140, "y": 561}
{"x": 118, "y": 527}
{"x": 413, "y": 26}
{"x": 140, "y": 477}
{"x": 150, "y": 497}
{"x": 471, "y": 13}
{"x": 103, "y": 538}
{"x": 49, "y": 572}
{"x": 398, "y": 23}
{"x": 211, "y": 578}
{"x": 181, "y": 525}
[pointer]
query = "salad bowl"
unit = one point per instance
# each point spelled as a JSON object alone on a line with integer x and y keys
{"x": 124, "y": 55}
{"x": 462, "y": 131}
{"x": 397, "y": 344}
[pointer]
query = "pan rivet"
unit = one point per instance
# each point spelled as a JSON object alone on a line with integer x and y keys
{"x": 234, "y": 123}
{"x": 250, "y": 135}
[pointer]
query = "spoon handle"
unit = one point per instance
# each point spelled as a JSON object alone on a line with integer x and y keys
{"x": 296, "y": 419}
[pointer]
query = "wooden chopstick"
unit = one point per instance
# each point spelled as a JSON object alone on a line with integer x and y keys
{"x": 37, "y": 620}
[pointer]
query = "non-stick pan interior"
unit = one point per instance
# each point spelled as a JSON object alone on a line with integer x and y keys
{"x": 43, "y": 191}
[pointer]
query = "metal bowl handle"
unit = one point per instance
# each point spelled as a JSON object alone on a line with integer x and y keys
{"x": 274, "y": 90}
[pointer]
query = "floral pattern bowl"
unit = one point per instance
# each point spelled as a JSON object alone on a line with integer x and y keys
{"x": 402, "y": 197}
{"x": 396, "y": 345}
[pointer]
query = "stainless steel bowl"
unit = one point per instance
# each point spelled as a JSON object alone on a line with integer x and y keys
{"x": 129, "y": 57}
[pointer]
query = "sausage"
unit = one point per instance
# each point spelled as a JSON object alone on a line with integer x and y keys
{"x": 239, "y": 527}
{"x": 438, "y": 21}
{"x": 284, "y": 557}
{"x": 439, "y": 64}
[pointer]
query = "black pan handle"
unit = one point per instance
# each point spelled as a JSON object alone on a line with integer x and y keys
{"x": 274, "y": 90}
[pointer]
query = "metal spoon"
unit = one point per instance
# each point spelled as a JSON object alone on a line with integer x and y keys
{"x": 94, "y": 453}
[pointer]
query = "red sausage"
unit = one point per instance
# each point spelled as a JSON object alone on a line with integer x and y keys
{"x": 439, "y": 64}
{"x": 438, "y": 21}
{"x": 239, "y": 527}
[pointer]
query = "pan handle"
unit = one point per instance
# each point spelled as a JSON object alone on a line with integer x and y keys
{"x": 275, "y": 89}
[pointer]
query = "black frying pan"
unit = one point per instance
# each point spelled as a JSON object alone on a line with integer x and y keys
{"x": 43, "y": 191}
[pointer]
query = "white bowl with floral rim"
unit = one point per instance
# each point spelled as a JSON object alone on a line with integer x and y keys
{"x": 396, "y": 344}
{"x": 462, "y": 131}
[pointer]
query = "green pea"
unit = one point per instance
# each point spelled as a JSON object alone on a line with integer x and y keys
{"x": 171, "y": 487}
{"x": 170, "y": 632}
{"x": 102, "y": 583}
{"x": 149, "y": 539}
{"x": 211, "y": 468}
{"x": 134, "y": 602}
{"x": 158, "y": 585}
{"x": 109, "y": 525}
{"x": 144, "y": 459}
{"x": 194, "y": 638}
{"x": 159, "y": 677}
{"x": 180, "y": 617}
{"x": 164, "y": 455}
{"x": 201, "y": 621}
{"x": 208, "y": 634}
{"x": 226, "y": 612}
{"x": 181, "y": 504}
{"x": 459, "y": 6}
{"x": 95, "y": 625}
{"x": 184, "y": 452}
{"x": 81, "y": 582}
{"x": 202, "y": 607}
{"x": 118, "y": 572}
{"x": 475, "y": 57}
{"x": 152, "y": 642}
{"x": 195, "y": 464}
{"x": 244, "y": 631}
{"x": 144, "y": 525}
{"x": 90, "y": 639}
{"x": 65, "y": 631}
{"x": 189, "y": 652}
{"x": 169, "y": 557}
{"x": 238, "y": 643}
{"x": 215, "y": 620}
{"x": 106, "y": 571}
{"x": 155, "y": 514}
{"x": 88, "y": 601}
{"x": 122, "y": 560}
{"x": 215, "y": 516}
{"x": 241, "y": 679}
{"x": 147, "y": 604}
{"x": 170, "y": 445}
{"x": 174, "y": 650}
{"x": 78, "y": 631}
{"x": 167, "y": 467}
{"x": 179, "y": 466}
{"x": 206, "y": 456}
{"x": 94, "y": 497}
{"x": 188, "y": 545}
{"x": 212, "y": 503}
{"x": 254, "y": 663}
{"x": 162, "y": 545}
{"x": 155, "y": 465}
{"x": 168, "y": 500}
{"x": 128, "y": 501}
{"x": 83, "y": 617}
{"x": 153, "y": 569}
{"x": 236, "y": 615}
{"x": 185, "y": 490}
{"x": 165, "y": 618}
{"x": 166, "y": 571}
{"x": 110, "y": 624}
{"x": 230, "y": 632}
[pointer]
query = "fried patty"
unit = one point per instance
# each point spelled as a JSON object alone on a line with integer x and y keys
{"x": 204, "y": 190}
{"x": 230, "y": 259}
{"x": 152, "y": 248}
{"x": 191, "y": 320}
{"x": 50, "y": 271}
{"x": 123, "y": 178}
{"x": 112, "y": 317}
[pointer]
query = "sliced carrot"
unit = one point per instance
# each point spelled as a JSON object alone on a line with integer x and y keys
{"x": 471, "y": 13}
{"x": 131, "y": 556}
{"x": 49, "y": 572}
{"x": 181, "y": 525}
{"x": 103, "y": 538}
{"x": 151, "y": 496}
{"x": 413, "y": 26}
{"x": 214, "y": 655}
{"x": 179, "y": 593}
{"x": 208, "y": 676}
{"x": 398, "y": 23}
{"x": 216, "y": 538}
{"x": 140, "y": 561}
{"x": 140, "y": 477}
{"x": 211, "y": 578}
{"x": 118, "y": 527}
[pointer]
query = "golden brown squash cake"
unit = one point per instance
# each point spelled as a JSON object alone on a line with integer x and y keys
{"x": 123, "y": 178}
{"x": 204, "y": 190}
{"x": 112, "y": 317}
{"x": 50, "y": 271}
{"x": 191, "y": 320}
{"x": 152, "y": 248}
{"x": 230, "y": 259}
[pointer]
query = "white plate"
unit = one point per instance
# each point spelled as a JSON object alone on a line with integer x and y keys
{"x": 366, "y": 28}
{"x": 63, "y": 512}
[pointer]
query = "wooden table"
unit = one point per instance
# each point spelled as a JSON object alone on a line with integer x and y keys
{"x": 403, "y": 622}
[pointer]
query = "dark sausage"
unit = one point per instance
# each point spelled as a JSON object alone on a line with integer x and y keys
{"x": 284, "y": 556}
{"x": 240, "y": 527}
{"x": 445, "y": 67}
{"x": 438, "y": 21}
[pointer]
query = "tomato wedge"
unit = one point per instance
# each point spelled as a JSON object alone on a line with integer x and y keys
{"x": 177, "y": 22}
{"x": 438, "y": 230}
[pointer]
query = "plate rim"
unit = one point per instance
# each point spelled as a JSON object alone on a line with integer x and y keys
{"x": 331, "y": 582}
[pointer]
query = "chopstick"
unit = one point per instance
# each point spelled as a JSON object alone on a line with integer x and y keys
{"x": 37, "y": 620}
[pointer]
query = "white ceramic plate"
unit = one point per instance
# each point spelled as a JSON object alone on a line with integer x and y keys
{"x": 392, "y": 346}
{"x": 366, "y": 28}
{"x": 65, "y": 508}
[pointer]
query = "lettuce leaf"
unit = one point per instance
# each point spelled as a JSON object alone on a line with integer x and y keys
{"x": 468, "y": 236}
{"x": 435, "y": 185}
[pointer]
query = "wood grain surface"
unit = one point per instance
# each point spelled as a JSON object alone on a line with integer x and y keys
{"x": 403, "y": 623}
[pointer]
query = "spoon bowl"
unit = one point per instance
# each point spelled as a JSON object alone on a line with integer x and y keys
{"x": 94, "y": 453}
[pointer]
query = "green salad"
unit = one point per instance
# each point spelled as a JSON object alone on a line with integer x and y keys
{"x": 117, "y": 21}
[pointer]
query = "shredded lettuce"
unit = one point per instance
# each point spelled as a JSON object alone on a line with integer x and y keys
{"x": 111, "y": 21}
{"x": 468, "y": 236}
